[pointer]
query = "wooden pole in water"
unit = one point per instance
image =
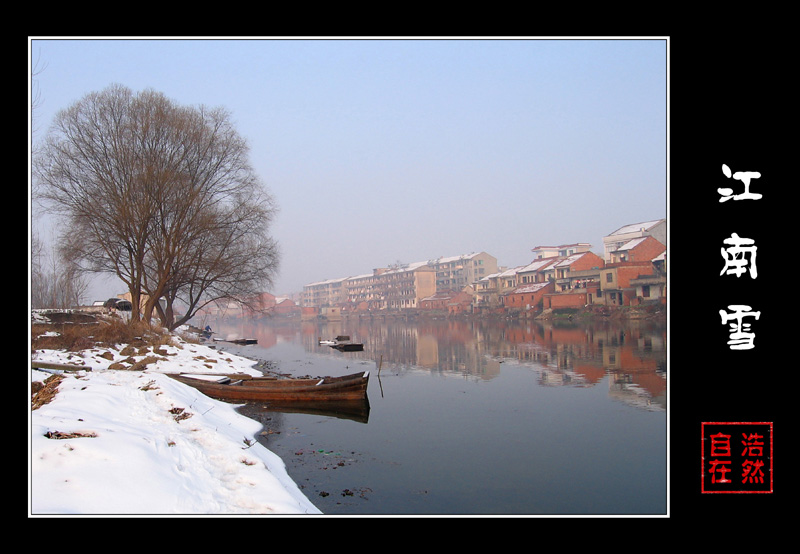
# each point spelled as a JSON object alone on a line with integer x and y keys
{"x": 380, "y": 383}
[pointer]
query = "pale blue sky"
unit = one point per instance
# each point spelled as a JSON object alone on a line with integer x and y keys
{"x": 380, "y": 151}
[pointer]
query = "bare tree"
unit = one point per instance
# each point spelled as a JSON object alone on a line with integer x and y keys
{"x": 37, "y": 68}
{"x": 55, "y": 282}
{"x": 233, "y": 261}
{"x": 160, "y": 195}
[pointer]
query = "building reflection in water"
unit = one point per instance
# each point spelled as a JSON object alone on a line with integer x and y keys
{"x": 631, "y": 355}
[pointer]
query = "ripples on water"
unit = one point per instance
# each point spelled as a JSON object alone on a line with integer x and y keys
{"x": 475, "y": 417}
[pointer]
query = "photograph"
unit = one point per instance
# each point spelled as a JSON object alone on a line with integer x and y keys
{"x": 351, "y": 276}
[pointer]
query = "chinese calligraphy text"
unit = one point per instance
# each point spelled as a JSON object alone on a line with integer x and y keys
{"x": 739, "y": 256}
{"x": 743, "y": 176}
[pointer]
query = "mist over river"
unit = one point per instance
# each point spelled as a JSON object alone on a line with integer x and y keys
{"x": 473, "y": 416}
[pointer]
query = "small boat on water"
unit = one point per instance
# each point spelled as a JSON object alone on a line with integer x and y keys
{"x": 202, "y": 333}
{"x": 242, "y": 387}
{"x": 238, "y": 341}
{"x": 342, "y": 344}
{"x": 348, "y": 347}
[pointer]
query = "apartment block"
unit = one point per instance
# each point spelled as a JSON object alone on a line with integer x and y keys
{"x": 324, "y": 293}
{"x": 457, "y": 272}
{"x": 404, "y": 288}
{"x": 401, "y": 286}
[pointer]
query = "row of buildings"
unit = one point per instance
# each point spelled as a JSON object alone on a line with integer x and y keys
{"x": 402, "y": 286}
{"x": 631, "y": 271}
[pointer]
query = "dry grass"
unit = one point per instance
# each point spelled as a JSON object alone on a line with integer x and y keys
{"x": 43, "y": 393}
{"x": 72, "y": 332}
{"x": 75, "y": 334}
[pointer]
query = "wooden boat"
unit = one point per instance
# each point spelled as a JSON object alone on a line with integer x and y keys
{"x": 342, "y": 344}
{"x": 348, "y": 347}
{"x": 238, "y": 341}
{"x": 202, "y": 333}
{"x": 242, "y": 388}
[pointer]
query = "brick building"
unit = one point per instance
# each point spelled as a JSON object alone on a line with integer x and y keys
{"x": 656, "y": 228}
{"x": 616, "y": 282}
{"x": 638, "y": 250}
{"x": 451, "y": 301}
{"x": 527, "y": 297}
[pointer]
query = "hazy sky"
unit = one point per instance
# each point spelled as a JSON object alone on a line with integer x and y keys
{"x": 379, "y": 151}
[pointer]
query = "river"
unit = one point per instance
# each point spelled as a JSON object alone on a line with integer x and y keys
{"x": 474, "y": 417}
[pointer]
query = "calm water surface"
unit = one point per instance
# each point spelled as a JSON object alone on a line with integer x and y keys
{"x": 474, "y": 417}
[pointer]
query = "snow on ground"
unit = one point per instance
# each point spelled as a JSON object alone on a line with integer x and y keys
{"x": 139, "y": 442}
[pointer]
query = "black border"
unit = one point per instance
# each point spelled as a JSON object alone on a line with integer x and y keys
{"x": 729, "y": 104}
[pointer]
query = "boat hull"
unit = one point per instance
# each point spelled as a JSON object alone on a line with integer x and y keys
{"x": 244, "y": 388}
{"x": 348, "y": 347}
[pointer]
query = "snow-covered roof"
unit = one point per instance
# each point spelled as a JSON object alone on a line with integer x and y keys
{"x": 631, "y": 244}
{"x": 560, "y": 246}
{"x": 327, "y": 282}
{"x": 569, "y": 260}
{"x": 530, "y": 288}
{"x": 406, "y": 267}
{"x": 399, "y": 269}
{"x": 634, "y": 227}
{"x": 363, "y": 276}
{"x": 536, "y": 265}
{"x": 454, "y": 258}
{"x": 512, "y": 271}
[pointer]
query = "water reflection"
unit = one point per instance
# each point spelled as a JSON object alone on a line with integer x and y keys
{"x": 475, "y": 416}
{"x": 356, "y": 410}
{"x": 631, "y": 355}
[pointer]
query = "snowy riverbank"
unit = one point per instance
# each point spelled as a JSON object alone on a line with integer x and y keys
{"x": 138, "y": 442}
